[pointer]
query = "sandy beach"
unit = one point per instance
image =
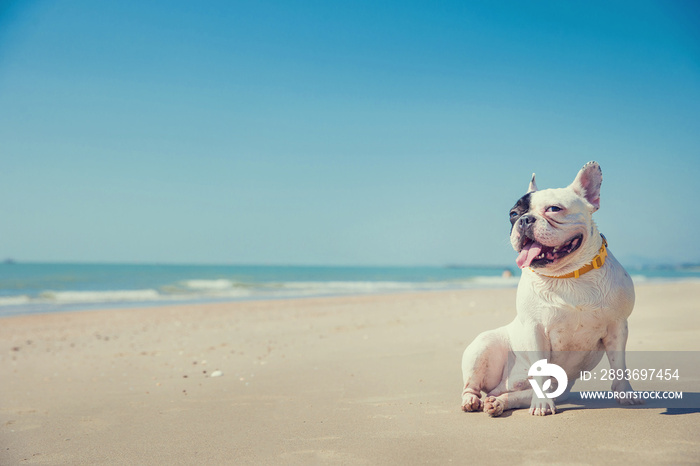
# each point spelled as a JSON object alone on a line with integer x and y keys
{"x": 351, "y": 380}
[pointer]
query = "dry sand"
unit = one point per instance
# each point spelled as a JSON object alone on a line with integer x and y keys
{"x": 352, "y": 380}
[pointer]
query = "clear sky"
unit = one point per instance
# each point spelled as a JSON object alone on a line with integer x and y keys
{"x": 320, "y": 132}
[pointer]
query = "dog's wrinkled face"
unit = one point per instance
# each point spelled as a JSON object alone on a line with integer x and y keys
{"x": 549, "y": 227}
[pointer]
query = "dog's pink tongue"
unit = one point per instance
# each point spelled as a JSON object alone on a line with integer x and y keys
{"x": 528, "y": 254}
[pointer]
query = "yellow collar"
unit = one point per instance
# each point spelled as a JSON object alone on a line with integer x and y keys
{"x": 597, "y": 262}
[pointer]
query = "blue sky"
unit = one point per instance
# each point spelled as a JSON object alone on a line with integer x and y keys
{"x": 314, "y": 132}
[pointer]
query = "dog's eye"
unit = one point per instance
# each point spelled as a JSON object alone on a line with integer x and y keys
{"x": 513, "y": 214}
{"x": 553, "y": 208}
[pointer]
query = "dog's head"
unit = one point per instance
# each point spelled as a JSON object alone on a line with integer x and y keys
{"x": 549, "y": 228}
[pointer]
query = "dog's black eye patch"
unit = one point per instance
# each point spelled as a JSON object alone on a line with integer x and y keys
{"x": 519, "y": 209}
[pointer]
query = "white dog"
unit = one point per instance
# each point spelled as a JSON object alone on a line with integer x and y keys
{"x": 573, "y": 301}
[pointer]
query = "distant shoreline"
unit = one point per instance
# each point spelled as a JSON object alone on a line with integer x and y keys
{"x": 26, "y": 308}
{"x": 30, "y": 288}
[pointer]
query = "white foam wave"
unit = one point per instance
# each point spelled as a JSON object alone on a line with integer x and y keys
{"x": 208, "y": 293}
{"x": 369, "y": 287}
{"x": 100, "y": 296}
{"x": 14, "y": 300}
{"x": 224, "y": 289}
{"x": 228, "y": 288}
{"x": 349, "y": 286}
{"x": 496, "y": 281}
{"x": 220, "y": 284}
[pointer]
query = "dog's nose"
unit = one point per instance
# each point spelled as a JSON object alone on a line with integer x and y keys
{"x": 526, "y": 220}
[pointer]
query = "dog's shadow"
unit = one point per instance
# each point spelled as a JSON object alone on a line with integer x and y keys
{"x": 690, "y": 403}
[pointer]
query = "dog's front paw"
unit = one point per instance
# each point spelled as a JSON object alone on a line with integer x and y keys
{"x": 494, "y": 406}
{"x": 542, "y": 407}
{"x": 630, "y": 400}
{"x": 471, "y": 402}
{"x": 625, "y": 395}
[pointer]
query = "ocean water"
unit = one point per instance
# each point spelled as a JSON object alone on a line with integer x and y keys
{"x": 33, "y": 287}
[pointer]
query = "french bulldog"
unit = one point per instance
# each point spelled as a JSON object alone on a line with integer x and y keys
{"x": 573, "y": 301}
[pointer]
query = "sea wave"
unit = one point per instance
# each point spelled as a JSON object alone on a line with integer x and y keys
{"x": 230, "y": 288}
{"x": 200, "y": 290}
{"x": 219, "y": 284}
{"x": 495, "y": 281}
{"x": 350, "y": 286}
{"x": 15, "y": 300}
{"x": 100, "y": 296}
{"x": 29, "y": 288}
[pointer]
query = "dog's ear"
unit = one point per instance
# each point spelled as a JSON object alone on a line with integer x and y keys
{"x": 587, "y": 184}
{"x": 533, "y": 186}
